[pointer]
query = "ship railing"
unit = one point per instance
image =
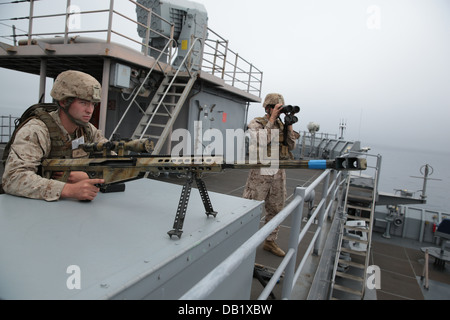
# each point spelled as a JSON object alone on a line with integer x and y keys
{"x": 97, "y": 21}
{"x": 372, "y": 172}
{"x": 111, "y": 21}
{"x": 7, "y": 125}
{"x": 321, "y": 145}
{"x": 331, "y": 183}
{"x": 418, "y": 223}
{"x": 219, "y": 60}
{"x": 133, "y": 97}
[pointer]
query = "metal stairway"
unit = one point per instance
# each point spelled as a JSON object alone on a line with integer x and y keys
{"x": 353, "y": 252}
{"x": 162, "y": 111}
{"x": 158, "y": 118}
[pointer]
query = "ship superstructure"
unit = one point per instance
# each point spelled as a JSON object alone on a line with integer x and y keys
{"x": 161, "y": 69}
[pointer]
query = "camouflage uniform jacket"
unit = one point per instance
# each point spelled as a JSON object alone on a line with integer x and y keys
{"x": 255, "y": 128}
{"x": 269, "y": 184}
{"x": 31, "y": 145}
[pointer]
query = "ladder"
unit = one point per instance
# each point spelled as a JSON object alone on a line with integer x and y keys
{"x": 353, "y": 249}
{"x": 158, "y": 118}
{"x": 162, "y": 111}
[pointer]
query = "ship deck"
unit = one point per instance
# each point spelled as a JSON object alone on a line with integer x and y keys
{"x": 402, "y": 263}
{"x": 400, "y": 260}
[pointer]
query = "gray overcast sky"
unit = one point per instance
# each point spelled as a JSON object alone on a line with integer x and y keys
{"x": 381, "y": 65}
{"x": 388, "y": 77}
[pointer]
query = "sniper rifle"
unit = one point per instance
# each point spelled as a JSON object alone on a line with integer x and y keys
{"x": 115, "y": 168}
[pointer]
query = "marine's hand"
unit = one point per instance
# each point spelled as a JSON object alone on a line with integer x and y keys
{"x": 83, "y": 190}
{"x": 275, "y": 113}
{"x": 74, "y": 176}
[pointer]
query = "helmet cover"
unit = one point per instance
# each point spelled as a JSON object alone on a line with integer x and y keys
{"x": 273, "y": 98}
{"x": 76, "y": 84}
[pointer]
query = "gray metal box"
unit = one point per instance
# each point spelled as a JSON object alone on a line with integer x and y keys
{"x": 120, "y": 75}
{"x": 117, "y": 247}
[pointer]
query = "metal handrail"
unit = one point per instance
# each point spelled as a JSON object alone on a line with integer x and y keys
{"x": 169, "y": 43}
{"x": 375, "y": 177}
{"x": 228, "y": 70}
{"x": 30, "y": 34}
{"x": 218, "y": 60}
{"x": 374, "y": 199}
{"x": 9, "y": 127}
{"x": 170, "y": 85}
{"x": 212, "y": 280}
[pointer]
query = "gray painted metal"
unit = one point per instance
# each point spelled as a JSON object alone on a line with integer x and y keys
{"x": 213, "y": 115}
{"x": 409, "y": 222}
{"x": 190, "y": 20}
{"x": 120, "y": 244}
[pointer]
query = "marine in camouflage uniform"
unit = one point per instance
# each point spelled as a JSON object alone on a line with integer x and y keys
{"x": 269, "y": 184}
{"x": 32, "y": 142}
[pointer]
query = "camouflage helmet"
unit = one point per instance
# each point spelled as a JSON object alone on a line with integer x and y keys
{"x": 273, "y": 98}
{"x": 76, "y": 84}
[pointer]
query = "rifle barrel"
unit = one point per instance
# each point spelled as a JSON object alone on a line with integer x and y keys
{"x": 132, "y": 165}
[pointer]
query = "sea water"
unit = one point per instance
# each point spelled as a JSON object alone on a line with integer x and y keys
{"x": 400, "y": 166}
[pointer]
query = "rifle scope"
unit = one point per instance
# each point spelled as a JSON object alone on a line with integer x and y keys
{"x": 140, "y": 146}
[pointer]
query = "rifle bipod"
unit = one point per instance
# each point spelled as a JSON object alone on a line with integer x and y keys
{"x": 184, "y": 200}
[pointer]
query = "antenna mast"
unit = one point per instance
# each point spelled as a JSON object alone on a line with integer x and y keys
{"x": 342, "y": 127}
{"x": 428, "y": 172}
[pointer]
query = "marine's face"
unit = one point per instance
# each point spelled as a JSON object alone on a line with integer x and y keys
{"x": 82, "y": 110}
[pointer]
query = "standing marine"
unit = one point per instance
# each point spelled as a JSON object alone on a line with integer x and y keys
{"x": 269, "y": 184}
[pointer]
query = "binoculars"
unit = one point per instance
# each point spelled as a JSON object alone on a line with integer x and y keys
{"x": 289, "y": 111}
{"x": 286, "y": 108}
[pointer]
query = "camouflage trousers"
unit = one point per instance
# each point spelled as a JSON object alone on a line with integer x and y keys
{"x": 271, "y": 189}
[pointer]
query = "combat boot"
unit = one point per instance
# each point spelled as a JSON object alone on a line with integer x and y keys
{"x": 272, "y": 247}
